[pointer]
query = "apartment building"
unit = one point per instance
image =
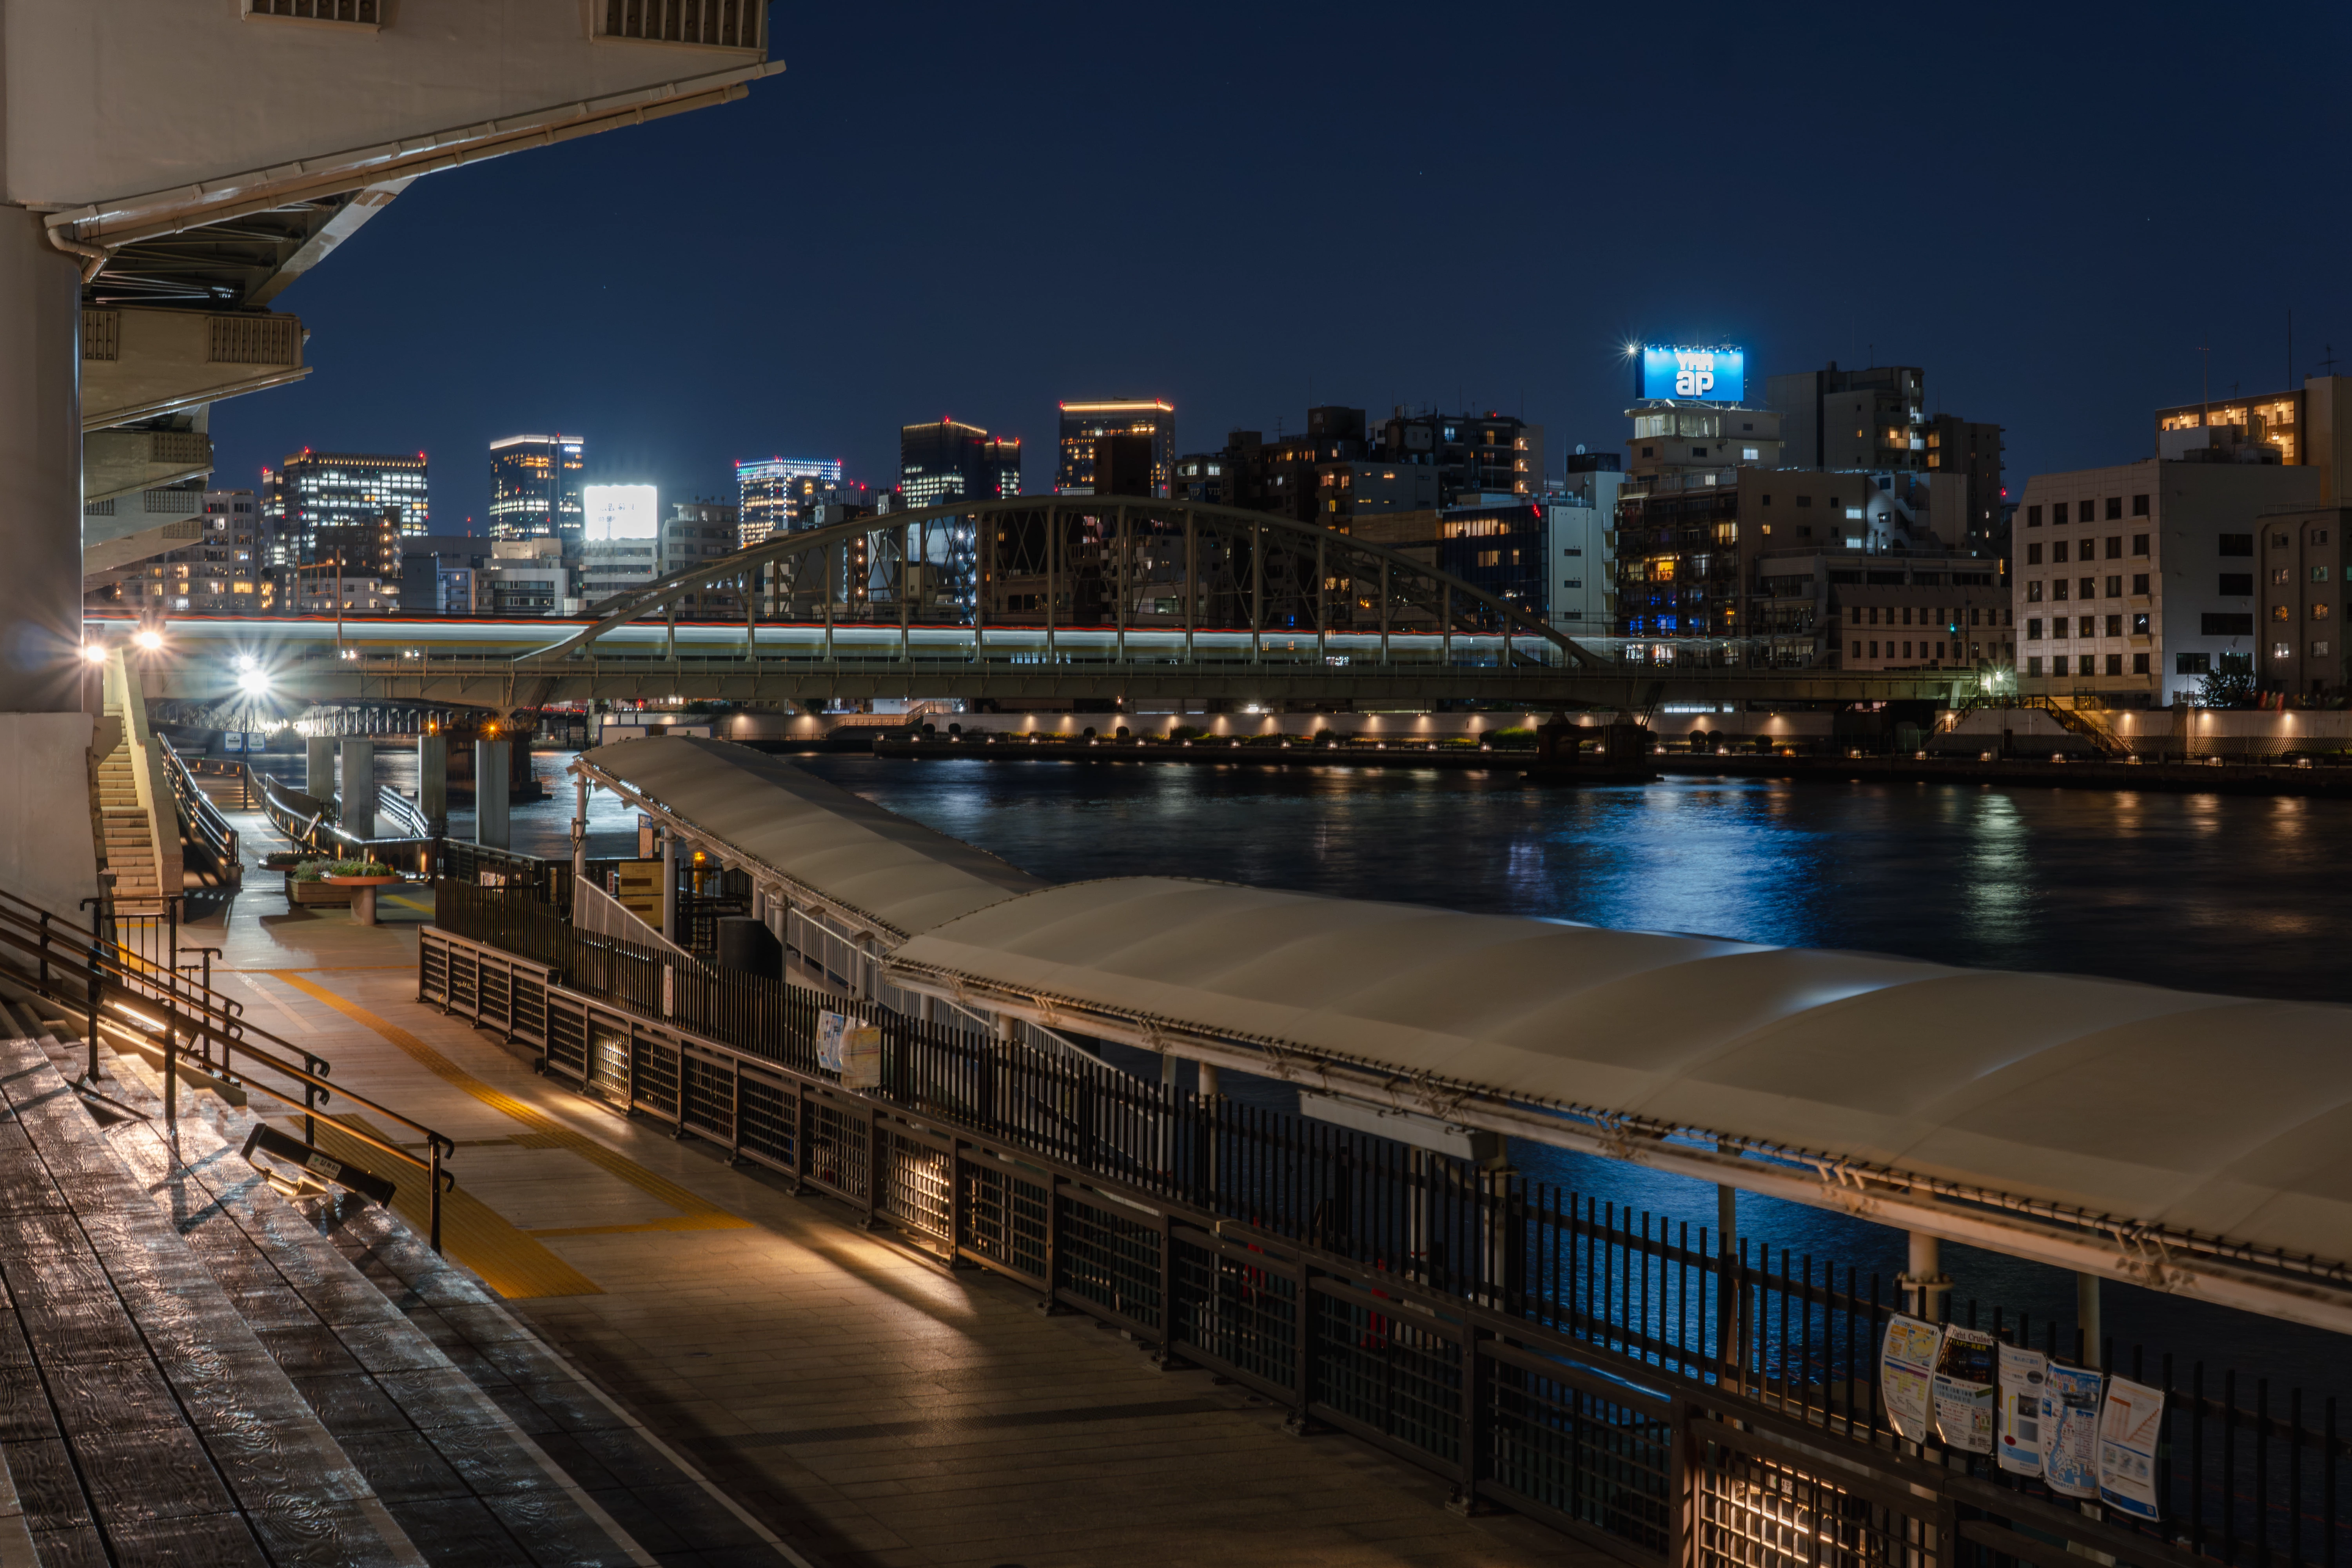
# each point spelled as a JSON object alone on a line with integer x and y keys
{"x": 2304, "y": 566}
{"x": 2129, "y": 584}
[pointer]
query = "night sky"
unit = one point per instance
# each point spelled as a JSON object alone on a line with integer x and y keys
{"x": 976, "y": 211}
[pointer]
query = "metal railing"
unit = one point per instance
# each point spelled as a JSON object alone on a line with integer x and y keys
{"x": 136, "y": 997}
{"x": 203, "y": 829}
{"x": 1541, "y": 1347}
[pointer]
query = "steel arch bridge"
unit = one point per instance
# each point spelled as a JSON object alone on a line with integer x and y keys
{"x": 1044, "y": 598}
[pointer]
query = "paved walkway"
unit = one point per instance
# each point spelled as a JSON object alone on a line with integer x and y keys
{"x": 867, "y": 1404}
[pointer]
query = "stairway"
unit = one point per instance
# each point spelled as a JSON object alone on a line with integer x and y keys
{"x": 186, "y": 1356}
{"x": 126, "y": 839}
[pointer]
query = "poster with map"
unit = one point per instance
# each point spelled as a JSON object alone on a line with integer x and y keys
{"x": 1906, "y": 1373}
{"x": 2070, "y": 1418}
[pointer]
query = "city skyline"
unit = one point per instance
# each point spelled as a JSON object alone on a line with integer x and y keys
{"x": 1996, "y": 292}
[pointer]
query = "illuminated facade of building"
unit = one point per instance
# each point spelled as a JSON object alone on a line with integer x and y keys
{"x": 1083, "y": 424}
{"x": 2309, "y": 427}
{"x": 765, "y": 492}
{"x": 220, "y": 573}
{"x": 314, "y": 490}
{"x": 948, "y": 462}
{"x": 535, "y": 489}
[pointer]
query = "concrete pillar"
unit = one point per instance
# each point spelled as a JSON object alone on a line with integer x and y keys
{"x": 1209, "y": 1088}
{"x": 318, "y": 767}
{"x": 358, "y": 814}
{"x": 670, "y": 884}
{"x": 433, "y": 780}
{"x": 40, "y": 473}
{"x": 490, "y": 795}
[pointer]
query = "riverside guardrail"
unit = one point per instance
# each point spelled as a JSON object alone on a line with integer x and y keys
{"x": 1629, "y": 1381}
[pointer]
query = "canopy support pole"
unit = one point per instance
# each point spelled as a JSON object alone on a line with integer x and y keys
{"x": 1925, "y": 1284}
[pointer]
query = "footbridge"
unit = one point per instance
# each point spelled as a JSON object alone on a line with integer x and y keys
{"x": 1029, "y": 599}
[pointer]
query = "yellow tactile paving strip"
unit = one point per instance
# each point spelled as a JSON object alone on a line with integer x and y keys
{"x": 508, "y": 1260}
{"x": 507, "y": 1253}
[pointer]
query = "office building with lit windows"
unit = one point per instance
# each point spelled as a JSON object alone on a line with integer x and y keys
{"x": 535, "y": 489}
{"x": 1878, "y": 419}
{"x": 1083, "y": 424}
{"x": 315, "y": 490}
{"x": 765, "y": 492}
{"x": 2130, "y": 585}
{"x": 2310, "y": 427}
{"x": 219, "y": 572}
{"x": 950, "y": 462}
{"x": 2304, "y": 565}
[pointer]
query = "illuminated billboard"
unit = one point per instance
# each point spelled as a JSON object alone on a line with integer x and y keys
{"x": 1686, "y": 375}
{"x": 619, "y": 511}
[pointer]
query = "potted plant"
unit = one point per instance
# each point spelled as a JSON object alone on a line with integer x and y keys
{"x": 364, "y": 878}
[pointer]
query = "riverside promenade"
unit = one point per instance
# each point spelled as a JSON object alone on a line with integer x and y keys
{"x": 862, "y": 1403}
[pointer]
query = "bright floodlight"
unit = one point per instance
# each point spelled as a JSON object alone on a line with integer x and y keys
{"x": 95, "y": 652}
{"x": 619, "y": 511}
{"x": 149, "y": 640}
{"x": 245, "y": 661}
{"x": 254, "y": 683}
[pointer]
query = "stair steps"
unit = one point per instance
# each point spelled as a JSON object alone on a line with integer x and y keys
{"x": 422, "y": 1402}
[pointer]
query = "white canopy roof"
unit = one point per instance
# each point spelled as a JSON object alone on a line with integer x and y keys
{"x": 2204, "y": 1113}
{"x": 894, "y": 872}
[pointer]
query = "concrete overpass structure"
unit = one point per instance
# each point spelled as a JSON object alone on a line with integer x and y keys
{"x": 143, "y": 248}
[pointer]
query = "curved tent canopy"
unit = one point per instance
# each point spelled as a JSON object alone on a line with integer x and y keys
{"x": 2192, "y": 1114}
{"x": 894, "y": 872}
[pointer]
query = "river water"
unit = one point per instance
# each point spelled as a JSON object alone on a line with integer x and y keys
{"x": 2232, "y": 895}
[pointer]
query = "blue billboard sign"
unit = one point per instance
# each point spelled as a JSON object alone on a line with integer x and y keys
{"x": 1693, "y": 374}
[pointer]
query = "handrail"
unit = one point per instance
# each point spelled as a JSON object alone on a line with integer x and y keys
{"x": 74, "y": 965}
{"x": 313, "y": 824}
{"x": 197, "y": 813}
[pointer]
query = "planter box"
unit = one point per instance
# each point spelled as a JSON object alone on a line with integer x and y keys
{"x": 308, "y": 895}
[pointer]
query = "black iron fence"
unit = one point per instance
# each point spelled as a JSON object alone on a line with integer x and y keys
{"x": 1625, "y": 1377}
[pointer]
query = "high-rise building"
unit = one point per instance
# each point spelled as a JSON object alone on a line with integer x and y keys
{"x": 1489, "y": 454}
{"x": 535, "y": 488}
{"x": 765, "y": 492}
{"x": 314, "y": 490}
{"x": 1083, "y": 424}
{"x": 696, "y": 532}
{"x": 950, "y": 462}
{"x": 1878, "y": 419}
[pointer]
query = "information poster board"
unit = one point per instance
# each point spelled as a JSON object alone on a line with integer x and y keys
{"x": 2129, "y": 1425}
{"x": 2024, "y": 1377}
{"x": 2070, "y": 1417}
{"x": 1964, "y": 1390}
{"x": 636, "y": 888}
{"x": 1906, "y": 1371}
{"x": 851, "y": 1048}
